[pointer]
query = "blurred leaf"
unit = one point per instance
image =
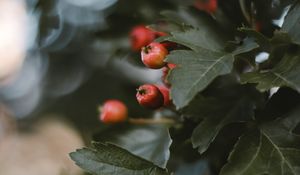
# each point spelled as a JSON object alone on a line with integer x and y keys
{"x": 194, "y": 72}
{"x": 149, "y": 142}
{"x": 186, "y": 19}
{"x": 109, "y": 159}
{"x": 273, "y": 149}
{"x": 285, "y": 73}
{"x": 291, "y": 23}
{"x": 197, "y": 168}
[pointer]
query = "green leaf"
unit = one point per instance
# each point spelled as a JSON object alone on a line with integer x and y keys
{"x": 199, "y": 39}
{"x": 247, "y": 46}
{"x": 109, "y": 159}
{"x": 185, "y": 18}
{"x": 285, "y": 73}
{"x": 272, "y": 149}
{"x": 291, "y": 23}
{"x": 149, "y": 142}
{"x": 279, "y": 39}
{"x": 194, "y": 72}
{"x": 261, "y": 40}
{"x": 221, "y": 112}
{"x": 198, "y": 68}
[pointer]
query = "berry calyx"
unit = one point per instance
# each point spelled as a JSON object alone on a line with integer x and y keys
{"x": 149, "y": 96}
{"x": 166, "y": 93}
{"x": 113, "y": 111}
{"x": 153, "y": 55}
{"x": 210, "y": 6}
{"x": 141, "y": 36}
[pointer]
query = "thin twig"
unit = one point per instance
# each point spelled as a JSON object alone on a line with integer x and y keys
{"x": 144, "y": 121}
{"x": 244, "y": 11}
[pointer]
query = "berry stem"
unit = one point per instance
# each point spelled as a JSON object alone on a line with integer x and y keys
{"x": 144, "y": 121}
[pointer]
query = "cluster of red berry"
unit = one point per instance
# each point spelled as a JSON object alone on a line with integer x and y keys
{"x": 153, "y": 55}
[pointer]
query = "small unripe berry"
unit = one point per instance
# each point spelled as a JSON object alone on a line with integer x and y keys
{"x": 149, "y": 96}
{"x": 210, "y": 6}
{"x": 141, "y": 36}
{"x": 153, "y": 55}
{"x": 113, "y": 111}
{"x": 166, "y": 93}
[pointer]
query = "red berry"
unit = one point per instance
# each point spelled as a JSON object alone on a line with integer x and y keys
{"x": 140, "y": 37}
{"x": 210, "y": 6}
{"x": 153, "y": 55}
{"x": 166, "y": 93}
{"x": 113, "y": 111}
{"x": 149, "y": 96}
{"x": 165, "y": 73}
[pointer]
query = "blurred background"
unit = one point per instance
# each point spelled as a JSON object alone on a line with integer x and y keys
{"x": 60, "y": 59}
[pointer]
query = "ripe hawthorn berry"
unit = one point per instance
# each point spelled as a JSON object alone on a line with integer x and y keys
{"x": 113, "y": 111}
{"x": 149, "y": 96}
{"x": 210, "y": 6}
{"x": 153, "y": 55}
{"x": 166, "y": 93}
{"x": 141, "y": 36}
{"x": 165, "y": 73}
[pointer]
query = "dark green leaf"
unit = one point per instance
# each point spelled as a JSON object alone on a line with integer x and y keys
{"x": 222, "y": 112}
{"x": 285, "y": 73}
{"x": 272, "y": 149}
{"x": 109, "y": 159}
{"x": 291, "y": 23}
{"x": 263, "y": 41}
{"x": 198, "y": 39}
{"x": 194, "y": 72}
{"x": 247, "y": 46}
{"x": 149, "y": 142}
{"x": 186, "y": 19}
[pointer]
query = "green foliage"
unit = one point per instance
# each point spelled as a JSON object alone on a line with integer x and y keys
{"x": 195, "y": 71}
{"x": 109, "y": 159}
{"x": 273, "y": 148}
{"x": 221, "y": 112}
{"x": 285, "y": 73}
{"x": 216, "y": 82}
{"x": 291, "y": 24}
{"x": 149, "y": 142}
